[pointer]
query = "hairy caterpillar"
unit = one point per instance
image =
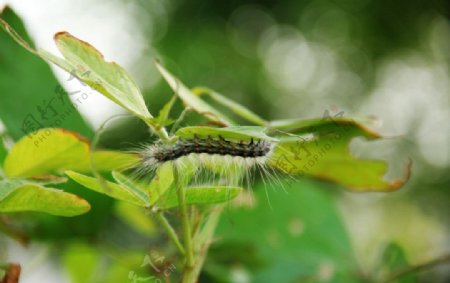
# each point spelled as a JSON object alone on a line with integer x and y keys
{"x": 220, "y": 146}
{"x": 228, "y": 158}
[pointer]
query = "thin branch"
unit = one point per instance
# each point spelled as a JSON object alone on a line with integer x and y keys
{"x": 184, "y": 218}
{"x": 417, "y": 268}
{"x": 203, "y": 240}
{"x": 177, "y": 123}
{"x": 173, "y": 236}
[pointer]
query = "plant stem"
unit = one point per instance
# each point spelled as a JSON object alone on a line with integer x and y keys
{"x": 160, "y": 131}
{"x": 203, "y": 239}
{"x": 165, "y": 223}
{"x": 176, "y": 125}
{"x": 187, "y": 236}
{"x": 445, "y": 259}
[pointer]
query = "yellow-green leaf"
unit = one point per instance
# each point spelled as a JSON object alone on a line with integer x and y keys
{"x": 322, "y": 151}
{"x": 48, "y": 151}
{"x": 44, "y": 152}
{"x": 111, "y": 189}
{"x": 136, "y": 188}
{"x": 108, "y": 160}
{"x": 33, "y": 197}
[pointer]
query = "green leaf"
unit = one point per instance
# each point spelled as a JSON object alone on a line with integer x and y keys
{"x": 108, "y": 78}
{"x": 18, "y": 196}
{"x": 130, "y": 191}
{"x": 157, "y": 187}
{"x": 323, "y": 152}
{"x": 200, "y": 195}
{"x": 137, "y": 189}
{"x": 236, "y": 133}
{"x": 191, "y": 99}
{"x": 111, "y": 189}
{"x": 232, "y": 105}
{"x": 299, "y": 126}
{"x": 50, "y": 151}
{"x": 28, "y": 86}
{"x": 108, "y": 160}
{"x": 161, "y": 183}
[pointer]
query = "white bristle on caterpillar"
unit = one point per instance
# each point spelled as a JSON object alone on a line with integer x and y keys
{"x": 230, "y": 160}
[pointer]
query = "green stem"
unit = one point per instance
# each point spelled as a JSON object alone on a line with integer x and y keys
{"x": 203, "y": 239}
{"x": 165, "y": 223}
{"x": 445, "y": 259}
{"x": 177, "y": 123}
{"x": 187, "y": 236}
{"x": 160, "y": 131}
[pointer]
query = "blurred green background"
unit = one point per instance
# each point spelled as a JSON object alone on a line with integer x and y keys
{"x": 282, "y": 59}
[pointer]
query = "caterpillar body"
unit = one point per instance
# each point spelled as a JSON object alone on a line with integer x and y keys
{"x": 249, "y": 152}
{"x": 216, "y": 157}
{"x": 212, "y": 146}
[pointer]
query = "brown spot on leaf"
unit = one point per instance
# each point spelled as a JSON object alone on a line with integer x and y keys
{"x": 46, "y": 178}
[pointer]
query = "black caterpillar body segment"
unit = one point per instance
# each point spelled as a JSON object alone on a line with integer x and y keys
{"x": 252, "y": 149}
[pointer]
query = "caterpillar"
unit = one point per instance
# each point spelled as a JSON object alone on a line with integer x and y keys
{"x": 249, "y": 152}
{"x": 227, "y": 162}
{"x": 221, "y": 156}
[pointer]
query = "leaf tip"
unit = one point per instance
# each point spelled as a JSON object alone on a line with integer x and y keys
{"x": 60, "y": 34}
{"x": 398, "y": 183}
{"x": 86, "y": 205}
